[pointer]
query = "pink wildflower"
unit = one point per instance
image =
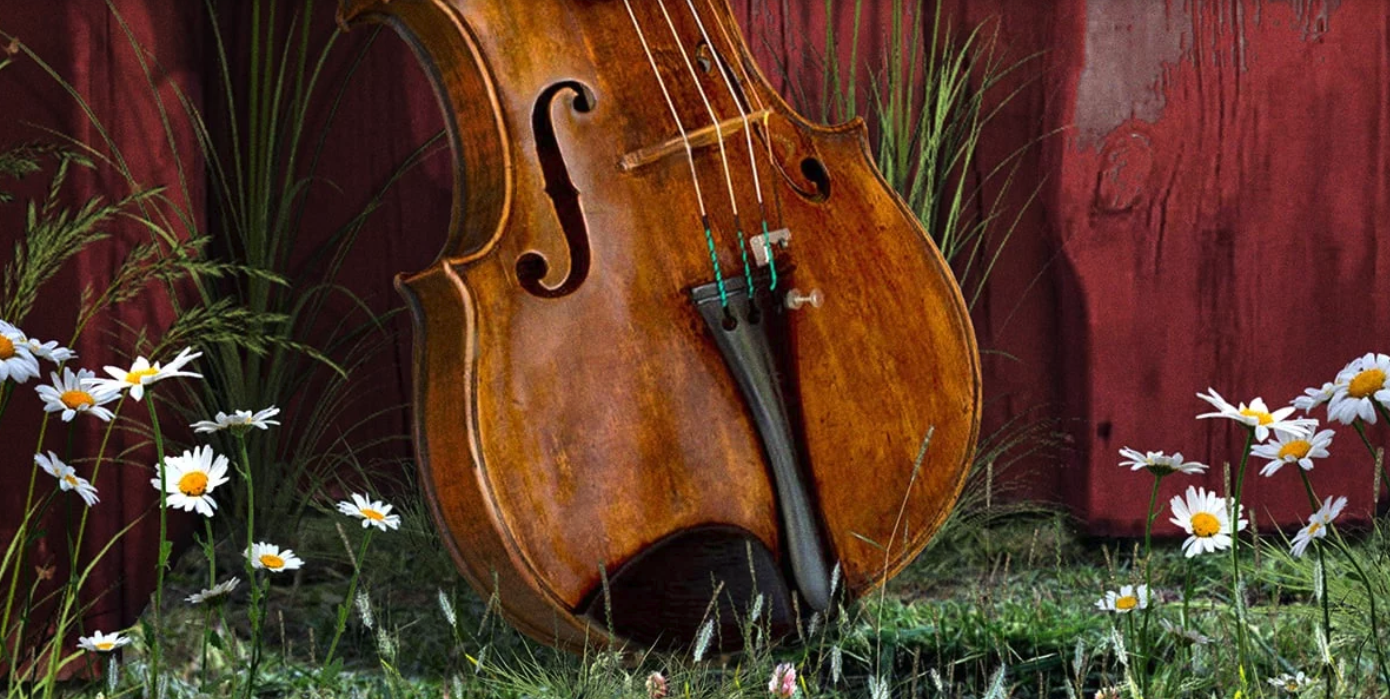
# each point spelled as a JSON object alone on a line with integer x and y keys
{"x": 783, "y": 682}
{"x": 656, "y": 686}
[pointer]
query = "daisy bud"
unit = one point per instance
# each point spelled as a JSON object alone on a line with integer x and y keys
{"x": 656, "y": 686}
{"x": 783, "y": 681}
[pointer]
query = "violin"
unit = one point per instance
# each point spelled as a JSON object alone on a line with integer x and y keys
{"x": 678, "y": 356}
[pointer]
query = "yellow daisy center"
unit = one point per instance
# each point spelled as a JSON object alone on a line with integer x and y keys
{"x": 70, "y": 480}
{"x": 77, "y": 399}
{"x": 1126, "y": 603}
{"x": 193, "y": 483}
{"x": 1291, "y": 686}
{"x": 105, "y": 645}
{"x": 6, "y": 348}
{"x": 1205, "y": 524}
{"x": 1367, "y": 383}
{"x": 272, "y": 561}
{"x": 1298, "y": 449}
{"x": 134, "y": 377}
{"x": 373, "y": 515}
{"x": 1314, "y": 527}
{"x": 1263, "y": 417}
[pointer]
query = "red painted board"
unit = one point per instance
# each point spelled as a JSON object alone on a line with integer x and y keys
{"x": 1222, "y": 190}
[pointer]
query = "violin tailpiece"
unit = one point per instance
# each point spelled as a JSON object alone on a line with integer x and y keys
{"x": 747, "y": 348}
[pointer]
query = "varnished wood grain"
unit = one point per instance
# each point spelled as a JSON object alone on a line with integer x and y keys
{"x": 559, "y": 435}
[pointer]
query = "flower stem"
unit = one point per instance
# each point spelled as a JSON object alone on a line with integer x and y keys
{"x": 1361, "y": 431}
{"x": 1371, "y": 597}
{"x": 1238, "y": 595}
{"x": 1375, "y": 456}
{"x": 28, "y": 503}
{"x": 254, "y": 612}
{"x": 210, "y": 548}
{"x": 1144, "y": 646}
{"x": 258, "y": 592}
{"x": 346, "y": 606}
{"x": 1328, "y": 674}
{"x": 1187, "y": 595}
{"x": 5, "y": 394}
{"x": 164, "y": 545}
{"x": 71, "y": 594}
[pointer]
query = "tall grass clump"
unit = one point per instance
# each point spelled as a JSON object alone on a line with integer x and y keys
{"x": 930, "y": 98}
{"x": 261, "y": 135}
{"x": 262, "y": 144}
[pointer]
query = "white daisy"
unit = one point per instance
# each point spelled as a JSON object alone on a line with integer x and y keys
{"x": 142, "y": 373}
{"x": 271, "y": 558}
{"x": 17, "y": 361}
{"x": 1187, "y": 637}
{"x": 1203, "y": 516}
{"x": 100, "y": 642}
{"x": 68, "y": 395}
{"x": 1127, "y": 599}
{"x": 1313, "y": 397}
{"x": 1360, "y": 382}
{"x": 1158, "y": 463}
{"x": 1318, "y": 523}
{"x": 67, "y": 477}
{"x": 1257, "y": 416}
{"x": 1293, "y": 684}
{"x": 191, "y": 478}
{"x": 241, "y": 419}
{"x": 50, "y": 351}
{"x": 216, "y": 592}
{"x": 374, "y": 513}
{"x": 1293, "y": 450}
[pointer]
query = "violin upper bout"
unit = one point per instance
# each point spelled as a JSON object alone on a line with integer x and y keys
{"x": 350, "y": 10}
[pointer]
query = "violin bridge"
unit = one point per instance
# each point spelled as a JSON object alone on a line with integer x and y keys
{"x": 699, "y": 138}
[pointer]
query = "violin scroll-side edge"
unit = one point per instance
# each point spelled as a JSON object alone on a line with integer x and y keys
{"x": 350, "y": 10}
{"x": 448, "y": 52}
{"x": 443, "y": 327}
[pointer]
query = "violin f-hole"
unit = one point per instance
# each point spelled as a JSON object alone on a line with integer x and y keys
{"x": 532, "y": 267}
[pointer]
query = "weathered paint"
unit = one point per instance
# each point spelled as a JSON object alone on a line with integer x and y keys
{"x": 1208, "y": 215}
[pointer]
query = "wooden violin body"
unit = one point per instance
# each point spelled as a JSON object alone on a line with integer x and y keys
{"x": 581, "y": 423}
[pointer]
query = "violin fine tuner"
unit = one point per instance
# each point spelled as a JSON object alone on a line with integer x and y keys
{"x": 796, "y": 299}
{"x": 762, "y": 244}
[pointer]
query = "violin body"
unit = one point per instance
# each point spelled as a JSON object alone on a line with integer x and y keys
{"x": 592, "y": 447}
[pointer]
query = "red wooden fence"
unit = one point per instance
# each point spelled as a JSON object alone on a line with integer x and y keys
{"x": 1211, "y": 179}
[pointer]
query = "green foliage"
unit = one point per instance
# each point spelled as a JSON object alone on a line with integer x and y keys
{"x": 929, "y": 103}
{"x": 53, "y": 234}
{"x": 271, "y": 333}
{"x": 304, "y": 344}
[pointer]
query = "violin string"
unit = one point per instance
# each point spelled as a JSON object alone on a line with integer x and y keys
{"x": 741, "y": 74}
{"x": 719, "y": 136}
{"x": 689, "y": 156}
{"x": 748, "y": 138}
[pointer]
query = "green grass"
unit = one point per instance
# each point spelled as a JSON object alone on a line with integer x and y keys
{"x": 1022, "y": 602}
